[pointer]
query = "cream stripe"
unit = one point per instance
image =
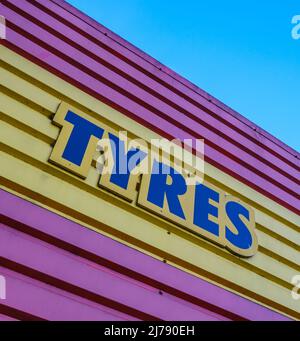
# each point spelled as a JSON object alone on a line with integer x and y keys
{"x": 39, "y": 151}
{"x": 27, "y": 132}
{"x": 264, "y": 219}
{"x": 50, "y": 103}
{"x": 24, "y": 115}
{"x": 102, "y": 210}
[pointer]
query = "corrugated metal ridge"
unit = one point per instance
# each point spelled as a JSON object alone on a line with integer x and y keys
{"x": 291, "y": 204}
{"x": 277, "y": 169}
{"x": 50, "y": 92}
{"x": 272, "y": 175}
{"x": 55, "y": 230}
{"x": 58, "y": 283}
{"x": 255, "y": 151}
{"x": 17, "y": 314}
{"x": 36, "y": 3}
{"x": 260, "y": 189}
{"x": 19, "y": 226}
{"x": 171, "y": 73}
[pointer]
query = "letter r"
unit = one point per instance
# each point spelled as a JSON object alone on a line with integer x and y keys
{"x": 159, "y": 188}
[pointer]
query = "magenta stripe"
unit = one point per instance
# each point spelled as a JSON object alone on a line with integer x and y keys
{"x": 229, "y": 165}
{"x": 81, "y": 58}
{"x": 107, "y": 248}
{"x": 45, "y": 301}
{"x": 5, "y": 318}
{"x": 60, "y": 64}
{"x": 126, "y": 68}
{"x": 62, "y": 265}
{"x": 148, "y": 63}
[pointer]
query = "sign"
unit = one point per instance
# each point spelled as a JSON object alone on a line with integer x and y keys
{"x": 153, "y": 181}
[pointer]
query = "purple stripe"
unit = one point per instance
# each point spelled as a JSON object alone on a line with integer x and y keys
{"x": 60, "y": 64}
{"x": 81, "y": 58}
{"x": 287, "y": 199}
{"x": 120, "y": 64}
{"x": 107, "y": 248}
{"x": 5, "y": 318}
{"x": 62, "y": 265}
{"x": 148, "y": 63}
{"x": 45, "y": 301}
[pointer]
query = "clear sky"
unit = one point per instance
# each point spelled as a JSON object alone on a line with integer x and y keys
{"x": 241, "y": 52}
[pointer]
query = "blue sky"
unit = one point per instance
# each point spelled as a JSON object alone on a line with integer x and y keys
{"x": 241, "y": 52}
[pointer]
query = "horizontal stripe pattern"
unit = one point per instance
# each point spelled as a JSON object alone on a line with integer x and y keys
{"x": 130, "y": 54}
{"x": 167, "y": 293}
{"x": 49, "y": 303}
{"x": 95, "y": 280}
{"x": 41, "y": 95}
{"x": 31, "y": 95}
{"x": 271, "y": 173}
{"x": 6, "y": 318}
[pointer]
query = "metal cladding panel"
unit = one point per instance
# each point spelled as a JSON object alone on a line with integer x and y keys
{"x": 54, "y": 53}
{"x": 90, "y": 61}
{"x": 45, "y": 302}
{"x": 98, "y": 278}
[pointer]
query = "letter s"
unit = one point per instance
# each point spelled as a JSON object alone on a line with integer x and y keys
{"x": 239, "y": 229}
{"x": 296, "y": 29}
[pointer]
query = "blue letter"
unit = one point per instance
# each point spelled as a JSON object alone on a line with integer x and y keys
{"x": 159, "y": 188}
{"x": 79, "y": 138}
{"x": 243, "y": 239}
{"x": 202, "y": 208}
{"x": 121, "y": 171}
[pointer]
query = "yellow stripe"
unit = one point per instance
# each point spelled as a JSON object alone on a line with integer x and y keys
{"x": 39, "y": 151}
{"x": 68, "y": 93}
{"x": 236, "y": 188}
{"x": 41, "y": 124}
{"x": 27, "y": 134}
{"x": 35, "y": 124}
{"x": 198, "y": 253}
{"x": 16, "y": 111}
{"x": 182, "y": 244}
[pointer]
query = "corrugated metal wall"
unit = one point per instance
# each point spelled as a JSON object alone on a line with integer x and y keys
{"x": 79, "y": 274}
{"x": 140, "y": 96}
